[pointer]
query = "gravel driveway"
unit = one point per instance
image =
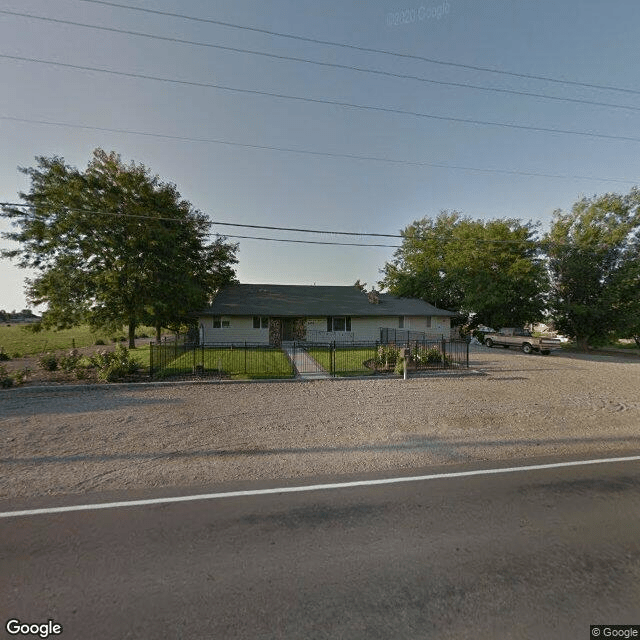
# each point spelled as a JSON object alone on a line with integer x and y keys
{"x": 122, "y": 437}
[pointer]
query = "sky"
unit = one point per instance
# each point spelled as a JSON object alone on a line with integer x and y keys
{"x": 451, "y": 152}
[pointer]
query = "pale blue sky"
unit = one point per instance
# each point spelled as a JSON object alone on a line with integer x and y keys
{"x": 591, "y": 42}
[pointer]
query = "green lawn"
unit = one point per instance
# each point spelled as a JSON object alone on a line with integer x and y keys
{"x": 349, "y": 361}
{"x": 16, "y": 341}
{"x": 234, "y": 363}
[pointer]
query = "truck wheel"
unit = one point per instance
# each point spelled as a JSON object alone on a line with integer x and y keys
{"x": 489, "y": 342}
{"x": 527, "y": 348}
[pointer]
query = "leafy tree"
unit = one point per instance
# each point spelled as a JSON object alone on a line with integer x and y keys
{"x": 113, "y": 246}
{"x": 489, "y": 269}
{"x": 594, "y": 260}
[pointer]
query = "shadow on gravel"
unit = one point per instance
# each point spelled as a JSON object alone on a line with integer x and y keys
{"x": 631, "y": 358}
{"x": 54, "y": 402}
{"x": 451, "y": 449}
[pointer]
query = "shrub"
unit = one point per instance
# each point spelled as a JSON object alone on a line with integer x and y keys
{"x": 70, "y": 361}
{"x": 33, "y": 327}
{"x": 48, "y": 361}
{"x": 431, "y": 355}
{"x": 99, "y": 342}
{"x": 20, "y": 376}
{"x": 4, "y": 356}
{"x": 16, "y": 354}
{"x": 387, "y": 356}
{"x": 6, "y": 380}
{"x": 115, "y": 365}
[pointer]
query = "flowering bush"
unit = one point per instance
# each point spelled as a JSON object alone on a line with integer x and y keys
{"x": 431, "y": 355}
{"x": 387, "y": 356}
{"x": 115, "y": 365}
{"x": 7, "y": 380}
{"x": 70, "y": 361}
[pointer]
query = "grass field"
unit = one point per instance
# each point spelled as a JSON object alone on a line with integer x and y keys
{"x": 235, "y": 363}
{"x": 348, "y": 360}
{"x": 16, "y": 341}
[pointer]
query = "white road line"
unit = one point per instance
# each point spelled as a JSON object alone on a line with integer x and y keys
{"x": 313, "y": 487}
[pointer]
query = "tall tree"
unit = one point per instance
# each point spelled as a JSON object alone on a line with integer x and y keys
{"x": 491, "y": 270}
{"x": 113, "y": 246}
{"x": 594, "y": 260}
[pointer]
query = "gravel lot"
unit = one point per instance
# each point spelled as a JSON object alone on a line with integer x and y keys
{"x": 122, "y": 437}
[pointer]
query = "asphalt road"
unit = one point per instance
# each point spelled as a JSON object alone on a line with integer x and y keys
{"x": 535, "y": 554}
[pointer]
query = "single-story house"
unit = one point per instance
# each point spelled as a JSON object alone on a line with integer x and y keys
{"x": 273, "y": 313}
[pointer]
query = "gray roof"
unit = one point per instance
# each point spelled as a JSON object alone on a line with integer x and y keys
{"x": 302, "y": 300}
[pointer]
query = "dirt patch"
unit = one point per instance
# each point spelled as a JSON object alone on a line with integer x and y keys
{"x": 38, "y": 376}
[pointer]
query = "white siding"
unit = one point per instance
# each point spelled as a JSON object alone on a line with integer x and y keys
{"x": 240, "y": 329}
{"x": 440, "y": 325}
{"x": 362, "y": 329}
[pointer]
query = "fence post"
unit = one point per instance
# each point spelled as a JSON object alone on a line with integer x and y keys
{"x": 332, "y": 358}
{"x": 245, "y": 356}
{"x": 151, "y": 359}
{"x": 468, "y": 342}
{"x": 444, "y": 352}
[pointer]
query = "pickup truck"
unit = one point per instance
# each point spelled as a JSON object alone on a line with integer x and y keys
{"x": 512, "y": 337}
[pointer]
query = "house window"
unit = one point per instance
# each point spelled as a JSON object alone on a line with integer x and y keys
{"x": 260, "y": 322}
{"x": 428, "y": 319}
{"x": 401, "y": 322}
{"x": 219, "y": 323}
{"x": 339, "y": 323}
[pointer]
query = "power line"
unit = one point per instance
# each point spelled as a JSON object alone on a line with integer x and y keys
{"x": 342, "y": 244}
{"x": 274, "y": 228}
{"x": 336, "y": 103}
{"x": 214, "y": 222}
{"x": 366, "y": 49}
{"x": 332, "y": 65}
{"x": 327, "y": 154}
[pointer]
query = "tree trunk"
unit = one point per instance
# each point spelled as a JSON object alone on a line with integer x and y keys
{"x": 132, "y": 334}
{"x": 582, "y": 342}
{"x": 158, "y": 333}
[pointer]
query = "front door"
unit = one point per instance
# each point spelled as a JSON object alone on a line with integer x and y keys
{"x": 288, "y": 329}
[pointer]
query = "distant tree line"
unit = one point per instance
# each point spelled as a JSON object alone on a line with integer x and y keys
{"x": 583, "y": 275}
{"x": 9, "y": 316}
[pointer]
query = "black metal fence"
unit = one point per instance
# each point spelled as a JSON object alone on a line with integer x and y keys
{"x": 304, "y": 359}
{"x": 245, "y": 360}
{"x": 402, "y": 336}
{"x": 370, "y": 358}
